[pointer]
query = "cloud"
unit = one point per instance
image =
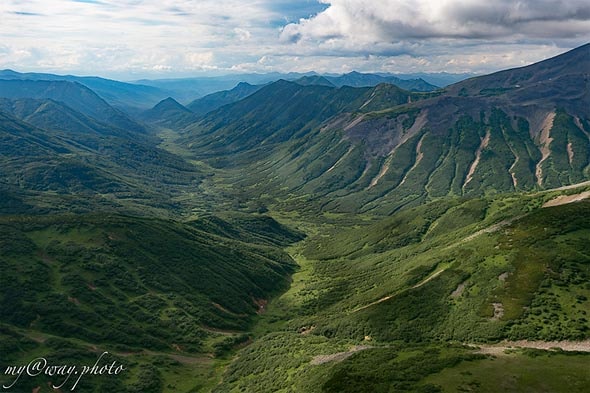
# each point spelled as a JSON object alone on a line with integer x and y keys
{"x": 181, "y": 37}
{"x": 242, "y": 34}
{"x": 26, "y": 13}
{"x": 362, "y": 23}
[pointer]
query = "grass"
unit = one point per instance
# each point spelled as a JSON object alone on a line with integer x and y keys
{"x": 535, "y": 266}
{"x": 538, "y": 371}
{"x": 176, "y": 295}
{"x": 144, "y": 372}
{"x": 100, "y": 281}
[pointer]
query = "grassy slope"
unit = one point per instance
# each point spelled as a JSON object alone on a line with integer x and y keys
{"x": 76, "y": 285}
{"x": 384, "y": 284}
{"x": 537, "y": 267}
{"x": 349, "y": 262}
{"x": 59, "y": 160}
{"x": 319, "y": 149}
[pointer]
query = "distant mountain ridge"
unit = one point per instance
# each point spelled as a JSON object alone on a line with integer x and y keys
{"x": 143, "y": 94}
{"x": 441, "y": 79}
{"x": 216, "y": 100}
{"x": 74, "y": 95}
{"x": 119, "y": 94}
{"x": 357, "y": 79}
{"x": 51, "y": 152}
{"x": 242, "y": 90}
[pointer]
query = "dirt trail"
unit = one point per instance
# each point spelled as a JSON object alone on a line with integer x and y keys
{"x": 490, "y": 229}
{"x": 484, "y": 143}
{"x": 383, "y": 299}
{"x": 338, "y": 357}
{"x": 565, "y": 199}
{"x": 498, "y": 349}
{"x": 544, "y": 140}
{"x": 565, "y": 188}
{"x": 430, "y": 278}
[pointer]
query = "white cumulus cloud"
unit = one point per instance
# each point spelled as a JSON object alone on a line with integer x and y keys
{"x": 133, "y": 38}
{"x": 367, "y": 22}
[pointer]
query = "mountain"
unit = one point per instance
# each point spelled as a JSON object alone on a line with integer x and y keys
{"x": 57, "y": 159}
{"x": 213, "y": 101}
{"x": 187, "y": 89}
{"x": 442, "y": 79}
{"x": 315, "y": 80}
{"x": 169, "y": 113}
{"x": 119, "y": 94}
{"x": 361, "y": 150}
{"x": 35, "y": 161}
{"x": 561, "y": 81}
{"x": 74, "y": 95}
{"x": 302, "y": 238}
{"x": 280, "y": 114}
{"x": 447, "y": 296}
{"x": 356, "y": 79}
{"x": 56, "y": 116}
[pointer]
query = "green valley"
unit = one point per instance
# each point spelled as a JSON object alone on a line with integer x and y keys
{"x": 325, "y": 234}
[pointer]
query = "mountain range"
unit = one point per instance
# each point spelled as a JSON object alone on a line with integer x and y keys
{"x": 299, "y": 232}
{"x": 355, "y": 150}
{"x": 119, "y": 94}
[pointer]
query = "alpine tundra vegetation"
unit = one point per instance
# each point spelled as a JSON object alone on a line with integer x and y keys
{"x": 298, "y": 232}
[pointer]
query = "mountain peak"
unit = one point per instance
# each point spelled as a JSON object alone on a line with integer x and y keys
{"x": 169, "y": 112}
{"x": 573, "y": 62}
{"x": 213, "y": 101}
{"x": 242, "y": 85}
{"x": 170, "y": 104}
{"x": 314, "y": 80}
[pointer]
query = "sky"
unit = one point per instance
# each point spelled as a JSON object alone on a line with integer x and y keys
{"x": 132, "y": 39}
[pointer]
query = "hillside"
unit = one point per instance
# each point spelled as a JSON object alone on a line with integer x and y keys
{"x": 58, "y": 159}
{"x": 301, "y": 236}
{"x": 218, "y": 99}
{"x": 129, "y": 285}
{"x": 72, "y": 94}
{"x": 416, "y": 302}
{"x": 382, "y": 148}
